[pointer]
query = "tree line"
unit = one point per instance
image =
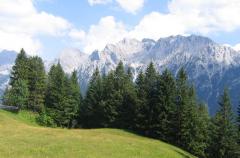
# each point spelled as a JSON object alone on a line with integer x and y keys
{"x": 156, "y": 105}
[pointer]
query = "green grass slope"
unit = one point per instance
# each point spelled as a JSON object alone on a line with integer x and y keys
{"x": 21, "y": 137}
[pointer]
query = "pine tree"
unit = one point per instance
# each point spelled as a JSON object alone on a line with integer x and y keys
{"x": 55, "y": 93}
{"x": 167, "y": 108}
{"x": 110, "y": 99}
{"x": 149, "y": 109}
{"x": 70, "y": 102}
{"x": 141, "y": 102}
{"x": 223, "y": 134}
{"x": 202, "y": 131}
{"x": 18, "y": 94}
{"x": 186, "y": 122}
{"x": 119, "y": 77}
{"x": 92, "y": 114}
{"x": 36, "y": 84}
{"x": 127, "y": 109}
{"x": 76, "y": 95}
{"x": 181, "y": 102}
{"x": 20, "y": 68}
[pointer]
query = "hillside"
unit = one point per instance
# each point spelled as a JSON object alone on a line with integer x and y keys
{"x": 21, "y": 137}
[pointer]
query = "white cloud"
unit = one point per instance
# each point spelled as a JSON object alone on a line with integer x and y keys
{"x": 21, "y": 23}
{"x": 108, "y": 30}
{"x": 156, "y": 25}
{"x": 131, "y": 6}
{"x": 237, "y": 47}
{"x": 94, "y": 2}
{"x": 183, "y": 17}
{"x": 205, "y": 16}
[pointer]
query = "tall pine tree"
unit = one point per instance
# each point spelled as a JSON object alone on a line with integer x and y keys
{"x": 223, "y": 135}
{"x": 36, "y": 84}
{"x": 149, "y": 109}
{"x": 167, "y": 108}
{"x": 20, "y": 68}
{"x": 92, "y": 111}
{"x": 17, "y": 93}
{"x": 55, "y": 94}
{"x": 141, "y": 101}
{"x": 127, "y": 109}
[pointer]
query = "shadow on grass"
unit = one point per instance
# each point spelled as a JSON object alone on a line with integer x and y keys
{"x": 181, "y": 153}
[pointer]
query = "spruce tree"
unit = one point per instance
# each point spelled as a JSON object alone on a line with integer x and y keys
{"x": 36, "y": 84}
{"x": 92, "y": 111}
{"x": 127, "y": 109}
{"x": 110, "y": 99}
{"x": 18, "y": 94}
{"x": 150, "y": 108}
{"x": 20, "y": 68}
{"x": 202, "y": 131}
{"x": 141, "y": 101}
{"x": 167, "y": 108}
{"x": 71, "y": 100}
{"x": 186, "y": 122}
{"x": 223, "y": 134}
{"x": 76, "y": 95}
{"x": 181, "y": 112}
{"x": 55, "y": 93}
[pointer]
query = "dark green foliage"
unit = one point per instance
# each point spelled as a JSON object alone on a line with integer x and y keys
{"x": 55, "y": 94}
{"x": 201, "y": 132}
{"x": 127, "y": 108}
{"x": 36, "y": 84}
{"x": 148, "y": 110}
{"x": 75, "y": 94}
{"x": 18, "y": 94}
{"x": 183, "y": 121}
{"x": 45, "y": 120}
{"x": 92, "y": 111}
{"x": 167, "y": 108}
{"x": 223, "y": 133}
{"x": 28, "y": 77}
{"x": 20, "y": 69}
{"x": 191, "y": 122}
{"x": 141, "y": 101}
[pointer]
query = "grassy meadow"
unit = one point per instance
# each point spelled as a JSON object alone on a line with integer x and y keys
{"x": 21, "y": 137}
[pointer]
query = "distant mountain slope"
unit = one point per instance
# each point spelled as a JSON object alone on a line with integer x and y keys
{"x": 21, "y": 137}
{"x": 210, "y": 66}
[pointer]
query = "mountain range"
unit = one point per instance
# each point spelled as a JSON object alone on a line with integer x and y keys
{"x": 210, "y": 66}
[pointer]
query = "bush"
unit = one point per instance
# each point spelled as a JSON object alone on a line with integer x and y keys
{"x": 45, "y": 120}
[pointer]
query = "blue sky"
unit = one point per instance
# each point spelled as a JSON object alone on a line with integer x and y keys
{"x": 46, "y": 27}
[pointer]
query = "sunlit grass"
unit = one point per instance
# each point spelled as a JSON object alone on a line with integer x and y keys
{"x": 21, "y": 137}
